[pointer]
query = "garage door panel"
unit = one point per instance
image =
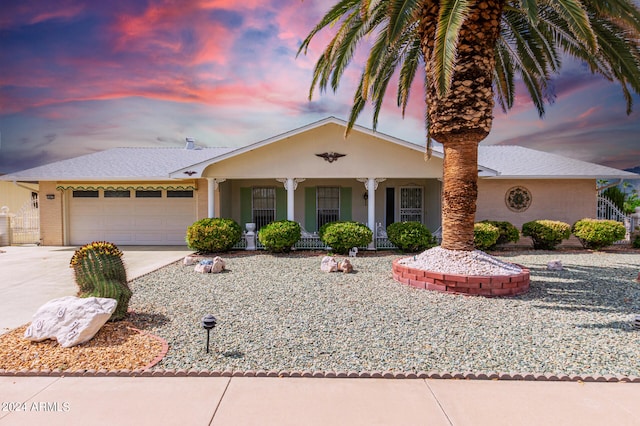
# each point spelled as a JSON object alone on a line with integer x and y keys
{"x": 131, "y": 221}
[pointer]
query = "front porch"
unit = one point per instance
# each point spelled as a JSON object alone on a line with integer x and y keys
{"x": 375, "y": 202}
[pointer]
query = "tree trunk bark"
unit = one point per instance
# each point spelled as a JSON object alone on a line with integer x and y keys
{"x": 463, "y": 117}
{"x": 459, "y": 193}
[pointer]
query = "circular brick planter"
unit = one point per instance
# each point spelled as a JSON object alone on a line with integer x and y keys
{"x": 480, "y": 285}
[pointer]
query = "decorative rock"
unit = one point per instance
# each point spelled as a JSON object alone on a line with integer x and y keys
{"x": 203, "y": 268}
{"x": 354, "y": 252}
{"x": 554, "y": 265}
{"x": 218, "y": 265}
{"x": 70, "y": 320}
{"x": 189, "y": 260}
{"x": 345, "y": 266}
{"x": 328, "y": 264}
{"x": 215, "y": 265}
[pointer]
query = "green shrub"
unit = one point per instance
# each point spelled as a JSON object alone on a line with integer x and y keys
{"x": 635, "y": 239}
{"x": 342, "y": 236}
{"x": 508, "y": 232}
{"x": 410, "y": 236}
{"x": 596, "y": 234}
{"x": 485, "y": 235}
{"x": 546, "y": 234}
{"x": 211, "y": 235}
{"x": 99, "y": 272}
{"x": 280, "y": 236}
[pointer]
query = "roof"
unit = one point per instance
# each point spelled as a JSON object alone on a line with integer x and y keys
{"x": 120, "y": 164}
{"x": 153, "y": 163}
{"x": 521, "y": 162}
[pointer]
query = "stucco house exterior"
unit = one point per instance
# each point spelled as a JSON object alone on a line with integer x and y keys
{"x": 149, "y": 196}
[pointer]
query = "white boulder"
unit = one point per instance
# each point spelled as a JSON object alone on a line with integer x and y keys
{"x": 554, "y": 265}
{"x": 328, "y": 264}
{"x": 70, "y": 320}
{"x": 218, "y": 265}
{"x": 189, "y": 260}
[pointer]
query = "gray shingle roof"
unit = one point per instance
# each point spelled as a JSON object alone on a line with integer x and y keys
{"x": 158, "y": 163}
{"x": 120, "y": 163}
{"x": 517, "y": 161}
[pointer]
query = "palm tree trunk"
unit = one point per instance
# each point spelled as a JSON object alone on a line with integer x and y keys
{"x": 459, "y": 193}
{"x": 463, "y": 117}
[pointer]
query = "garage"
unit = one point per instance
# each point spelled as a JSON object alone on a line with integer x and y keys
{"x": 130, "y": 216}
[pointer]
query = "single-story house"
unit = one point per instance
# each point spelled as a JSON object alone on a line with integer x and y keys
{"x": 313, "y": 175}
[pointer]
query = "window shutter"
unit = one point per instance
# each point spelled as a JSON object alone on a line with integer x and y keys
{"x": 345, "y": 203}
{"x": 310, "y": 209}
{"x": 281, "y": 203}
{"x": 245, "y": 206}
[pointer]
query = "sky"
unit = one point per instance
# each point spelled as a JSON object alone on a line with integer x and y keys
{"x": 78, "y": 77}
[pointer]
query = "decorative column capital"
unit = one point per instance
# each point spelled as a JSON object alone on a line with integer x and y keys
{"x": 375, "y": 181}
{"x": 215, "y": 182}
{"x": 293, "y": 182}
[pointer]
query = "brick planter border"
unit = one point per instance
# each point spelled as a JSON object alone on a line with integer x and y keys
{"x": 480, "y": 285}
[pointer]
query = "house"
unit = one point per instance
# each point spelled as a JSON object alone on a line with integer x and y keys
{"x": 313, "y": 175}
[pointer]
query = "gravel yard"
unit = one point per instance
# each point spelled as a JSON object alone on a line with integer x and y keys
{"x": 280, "y": 312}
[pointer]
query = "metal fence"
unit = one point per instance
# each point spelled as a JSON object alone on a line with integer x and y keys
{"x": 24, "y": 226}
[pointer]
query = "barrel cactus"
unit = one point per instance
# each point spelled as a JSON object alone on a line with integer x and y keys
{"x": 99, "y": 272}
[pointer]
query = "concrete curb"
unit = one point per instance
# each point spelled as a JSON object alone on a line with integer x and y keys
{"x": 148, "y": 372}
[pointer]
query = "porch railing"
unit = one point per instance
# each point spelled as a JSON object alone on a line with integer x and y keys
{"x": 608, "y": 210}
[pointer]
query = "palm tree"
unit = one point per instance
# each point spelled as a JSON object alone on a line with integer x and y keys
{"x": 471, "y": 51}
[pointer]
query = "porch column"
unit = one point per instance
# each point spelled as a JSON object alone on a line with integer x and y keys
{"x": 212, "y": 187}
{"x": 371, "y": 184}
{"x": 290, "y": 184}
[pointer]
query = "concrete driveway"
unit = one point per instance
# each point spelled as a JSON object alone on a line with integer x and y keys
{"x": 32, "y": 275}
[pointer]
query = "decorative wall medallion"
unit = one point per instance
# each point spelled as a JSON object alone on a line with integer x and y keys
{"x": 330, "y": 156}
{"x": 518, "y": 199}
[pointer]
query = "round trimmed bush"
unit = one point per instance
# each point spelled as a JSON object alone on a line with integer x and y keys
{"x": 280, "y": 236}
{"x": 212, "y": 235}
{"x": 546, "y": 234}
{"x": 485, "y": 235}
{"x": 508, "y": 232}
{"x": 596, "y": 234}
{"x": 410, "y": 236}
{"x": 342, "y": 236}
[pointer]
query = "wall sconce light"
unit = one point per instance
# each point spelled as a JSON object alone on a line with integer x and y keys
{"x": 51, "y": 196}
{"x": 366, "y": 196}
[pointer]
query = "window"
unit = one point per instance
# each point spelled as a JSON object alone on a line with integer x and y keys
{"x": 85, "y": 194}
{"x": 328, "y": 204}
{"x": 263, "y": 206}
{"x": 411, "y": 209}
{"x": 117, "y": 194}
{"x": 179, "y": 194}
{"x": 148, "y": 194}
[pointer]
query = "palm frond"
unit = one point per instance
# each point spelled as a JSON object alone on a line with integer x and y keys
{"x": 452, "y": 15}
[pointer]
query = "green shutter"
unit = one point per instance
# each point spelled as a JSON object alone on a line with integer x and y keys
{"x": 281, "y": 203}
{"x": 310, "y": 209}
{"x": 245, "y": 206}
{"x": 345, "y": 203}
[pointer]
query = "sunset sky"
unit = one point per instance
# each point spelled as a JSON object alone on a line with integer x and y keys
{"x": 82, "y": 76}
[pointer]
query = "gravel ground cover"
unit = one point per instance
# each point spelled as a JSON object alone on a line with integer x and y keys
{"x": 280, "y": 312}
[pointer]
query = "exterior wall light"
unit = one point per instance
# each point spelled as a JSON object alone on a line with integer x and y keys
{"x": 51, "y": 196}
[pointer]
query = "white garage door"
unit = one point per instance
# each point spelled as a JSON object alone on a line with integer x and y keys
{"x": 143, "y": 218}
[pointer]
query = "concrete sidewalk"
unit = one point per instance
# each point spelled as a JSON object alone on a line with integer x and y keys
{"x": 30, "y": 276}
{"x": 310, "y": 401}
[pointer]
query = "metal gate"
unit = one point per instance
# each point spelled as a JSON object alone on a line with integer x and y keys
{"x": 25, "y": 224}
